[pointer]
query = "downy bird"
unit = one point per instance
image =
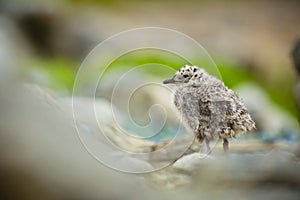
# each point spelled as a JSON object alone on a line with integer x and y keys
{"x": 208, "y": 107}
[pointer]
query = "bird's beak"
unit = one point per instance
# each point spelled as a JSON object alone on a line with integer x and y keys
{"x": 168, "y": 81}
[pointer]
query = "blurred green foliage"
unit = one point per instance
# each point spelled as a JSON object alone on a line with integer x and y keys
{"x": 59, "y": 74}
{"x": 161, "y": 57}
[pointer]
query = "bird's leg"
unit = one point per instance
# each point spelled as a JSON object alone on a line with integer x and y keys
{"x": 225, "y": 145}
{"x": 208, "y": 150}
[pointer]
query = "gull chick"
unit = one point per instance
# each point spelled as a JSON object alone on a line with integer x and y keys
{"x": 208, "y": 107}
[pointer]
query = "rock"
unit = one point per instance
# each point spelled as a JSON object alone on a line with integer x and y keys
{"x": 239, "y": 169}
{"x": 40, "y": 142}
{"x": 191, "y": 162}
{"x": 38, "y": 138}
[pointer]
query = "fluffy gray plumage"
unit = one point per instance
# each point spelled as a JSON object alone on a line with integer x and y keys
{"x": 208, "y": 107}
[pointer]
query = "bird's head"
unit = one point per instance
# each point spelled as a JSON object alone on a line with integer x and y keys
{"x": 186, "y": 74}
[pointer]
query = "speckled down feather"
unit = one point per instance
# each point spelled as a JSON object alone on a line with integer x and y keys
{"x": 208, "y": 107}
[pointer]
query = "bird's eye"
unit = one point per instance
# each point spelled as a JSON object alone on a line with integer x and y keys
{"x": 185, "y": 76}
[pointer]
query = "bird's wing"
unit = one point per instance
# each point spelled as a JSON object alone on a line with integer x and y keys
{"x": 217, "y": 102}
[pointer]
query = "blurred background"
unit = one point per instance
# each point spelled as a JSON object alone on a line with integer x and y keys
{"x": 42, "y": 44}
